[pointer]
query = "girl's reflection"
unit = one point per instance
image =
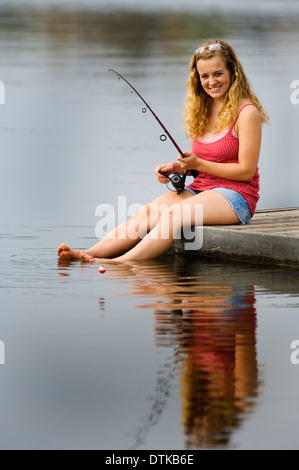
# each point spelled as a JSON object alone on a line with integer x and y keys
{"x": 211, "y": 325}
{"x": 219, "y": 374}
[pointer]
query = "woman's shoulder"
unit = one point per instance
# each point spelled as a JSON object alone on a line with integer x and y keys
{"x": 248, "y": 110}
{"x": 248, "y": 105}
{"x": 248, "y": 115}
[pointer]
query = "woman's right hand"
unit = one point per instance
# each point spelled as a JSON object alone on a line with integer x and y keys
{"x": 168, "y": 168}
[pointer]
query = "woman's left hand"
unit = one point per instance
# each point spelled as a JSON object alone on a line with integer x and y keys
{"x": 189, "y": 162}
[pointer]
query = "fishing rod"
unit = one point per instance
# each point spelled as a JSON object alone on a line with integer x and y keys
{"x": 177, "y": 180}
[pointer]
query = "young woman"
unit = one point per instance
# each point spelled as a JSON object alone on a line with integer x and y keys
{"x": 224, "y": 120}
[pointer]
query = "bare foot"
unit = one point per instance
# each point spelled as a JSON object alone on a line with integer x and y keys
{"x": 90, "y": 259}
{"x": 86, "y": 257}
{"x": 65, "y": 252}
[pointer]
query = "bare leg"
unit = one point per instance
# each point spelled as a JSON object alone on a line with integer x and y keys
{"x": 126, "y": 236}
{"x": 216, "y": 211}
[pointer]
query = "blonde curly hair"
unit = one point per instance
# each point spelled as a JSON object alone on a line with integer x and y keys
{"x": 198, "y": 102}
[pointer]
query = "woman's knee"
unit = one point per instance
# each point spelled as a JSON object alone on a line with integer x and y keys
{"x": 151, "y": 212}
{"x": 172, "y": 215}
{"x": 145, "y": 218}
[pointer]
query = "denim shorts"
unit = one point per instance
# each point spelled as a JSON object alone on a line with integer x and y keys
{"x": 239, "y": 204}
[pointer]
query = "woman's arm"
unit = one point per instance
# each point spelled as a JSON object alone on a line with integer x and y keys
{"x": 249, "y": 130}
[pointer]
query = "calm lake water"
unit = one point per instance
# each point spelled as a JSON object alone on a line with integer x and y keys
{"x": 166, "y": 354}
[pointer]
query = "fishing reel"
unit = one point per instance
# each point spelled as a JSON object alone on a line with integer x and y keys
{"x": 177, "y": 180}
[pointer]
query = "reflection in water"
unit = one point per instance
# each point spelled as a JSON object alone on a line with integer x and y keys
{"x": 219, "y": 377}
{"x": 210, "y": 325}
{"x": 61, "y": 104}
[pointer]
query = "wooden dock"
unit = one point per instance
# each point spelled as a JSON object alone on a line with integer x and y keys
{"x": 272, "y": 236}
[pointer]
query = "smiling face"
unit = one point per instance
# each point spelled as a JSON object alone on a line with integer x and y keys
{"x": 214, "y": 76}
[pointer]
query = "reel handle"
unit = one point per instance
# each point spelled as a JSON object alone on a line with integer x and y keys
{"x": 163, "y": 173}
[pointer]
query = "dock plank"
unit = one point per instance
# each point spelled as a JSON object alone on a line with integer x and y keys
{"x": 272, "y": 236}
{"x": 273, "y": 221}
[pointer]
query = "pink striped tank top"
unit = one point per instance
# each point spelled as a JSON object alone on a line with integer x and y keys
{"x": 225, "y": 150}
